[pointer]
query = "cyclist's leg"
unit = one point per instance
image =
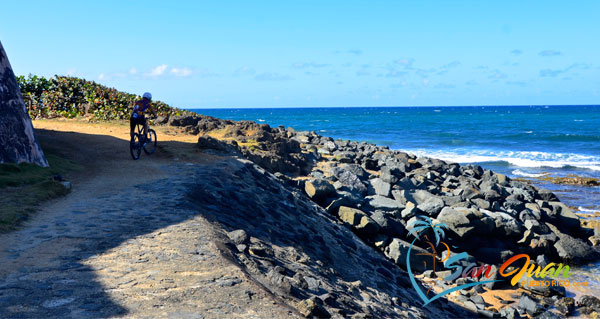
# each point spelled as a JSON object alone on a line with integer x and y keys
{"x": 132, "y": 122}
{"x": 145, "y": 123}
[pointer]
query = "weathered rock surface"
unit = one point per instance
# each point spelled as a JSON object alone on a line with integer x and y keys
{"x": 17, "y": 139}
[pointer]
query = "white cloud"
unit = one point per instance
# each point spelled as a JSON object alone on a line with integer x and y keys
{"x": 159, "y": 70}
{"x": 183, "y": 72}
{"x": 101, "y": 76}
{"x": 133, "y": 71}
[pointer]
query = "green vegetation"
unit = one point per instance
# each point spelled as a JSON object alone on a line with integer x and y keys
{"x": 25, "y": 186}
{"x": 65, "y": 96}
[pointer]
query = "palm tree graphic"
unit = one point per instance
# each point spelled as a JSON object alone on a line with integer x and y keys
{"x": 420, "y": 226}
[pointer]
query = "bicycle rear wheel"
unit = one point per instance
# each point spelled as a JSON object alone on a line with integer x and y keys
{"x": 150, "y": 144}
{"x": 135, "y": 147}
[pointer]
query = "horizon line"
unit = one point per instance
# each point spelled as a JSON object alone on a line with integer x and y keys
{"x": 387, "y": 106}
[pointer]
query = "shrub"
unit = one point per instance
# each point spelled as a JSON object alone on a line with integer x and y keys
{"x": 66, "y": 96}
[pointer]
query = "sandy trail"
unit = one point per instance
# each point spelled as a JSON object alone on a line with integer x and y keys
{"x": 123, "y": 243}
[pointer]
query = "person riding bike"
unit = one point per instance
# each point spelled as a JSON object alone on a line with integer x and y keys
{"x": 137, "y": 117}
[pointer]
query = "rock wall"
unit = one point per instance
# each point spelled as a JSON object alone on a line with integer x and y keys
{"x": 17, "y": 139}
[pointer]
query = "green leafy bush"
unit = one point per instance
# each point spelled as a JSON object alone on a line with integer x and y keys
{"x": 66, "y": 96}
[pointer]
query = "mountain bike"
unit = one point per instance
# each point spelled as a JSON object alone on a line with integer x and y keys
{"x": 140, "y": 141}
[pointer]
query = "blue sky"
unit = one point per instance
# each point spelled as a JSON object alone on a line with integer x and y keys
{"x": 316, "y": 53}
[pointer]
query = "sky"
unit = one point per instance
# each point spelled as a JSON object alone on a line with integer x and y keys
{"x": 216, "y": 54}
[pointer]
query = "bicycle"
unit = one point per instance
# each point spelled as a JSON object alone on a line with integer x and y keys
{"x": 141, "y": 141}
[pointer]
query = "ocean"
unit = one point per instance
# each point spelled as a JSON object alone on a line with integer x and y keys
{"x": 519, "y": 141}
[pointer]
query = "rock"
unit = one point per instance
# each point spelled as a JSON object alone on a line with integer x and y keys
{"x": 17, "y": 139}
{"x": 312, "y": 308}
{"x": 398, "y": 249}
{"x": 380, "y": 187}
{"x": 590, "y": 302}
{"x": 384, "y": 203}
{"x": 388, "y": 224}
{"x": 349, "y": 179}
{"x": 546, "y": 315}
{"x": 565, "y": 305}
{"x": 238, "y": 236}
{"x": 595, "y": 240}
{"x": 509, "y": 313}
{"x": 358, "y": 220}
{"x": 481, "y": 203}
{"x": 184, "y": 120}
{"x": 207, "y": 142}
{"x": 319, "y": 189}
{"x": 416, "y": 197}
{"x": 409, "y": 211}
{"x": 66, "y": 184}
{"x": 432, "y": 206}
{"x": 390, "y": 176}
{"x": 529, "y": 305}
{"x": 563, "y": 218}
{"x": 573, "y": 249}
{"x": 456, "y": 221}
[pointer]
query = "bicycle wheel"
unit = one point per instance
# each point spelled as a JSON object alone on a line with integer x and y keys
{"x": 135, "y": 147}
{"x": 150, "y": 144}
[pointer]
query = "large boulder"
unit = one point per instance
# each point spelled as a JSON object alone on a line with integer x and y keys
{"x": 456, "y": 220}
{"x": 398, "y": 249}
{"x": 563, "y": 217}
{"x": 319, "y": 189}
{"x": 17, "y": 139}
{"x": 358, "y": 220}
{"x": 573, "y": 249}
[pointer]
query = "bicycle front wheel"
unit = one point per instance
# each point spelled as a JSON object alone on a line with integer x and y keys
{"x": 150, "y": 144}
{"x": 135, "y": 147}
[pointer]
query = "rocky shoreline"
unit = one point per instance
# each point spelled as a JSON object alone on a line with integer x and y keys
{"x": 379, "y": 193}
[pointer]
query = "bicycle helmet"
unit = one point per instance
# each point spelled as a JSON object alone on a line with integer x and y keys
{"x": 147, "y": 95}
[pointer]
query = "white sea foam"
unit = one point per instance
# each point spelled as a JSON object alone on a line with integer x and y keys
{"x": 516, "y": 158}
{"x": 519, "y": 172}
{"x": 587, "y": 210}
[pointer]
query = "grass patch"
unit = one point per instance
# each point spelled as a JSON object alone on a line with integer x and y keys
{"x": 25, "y": 186}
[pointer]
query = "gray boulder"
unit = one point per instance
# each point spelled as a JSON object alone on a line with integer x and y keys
{"x": 319, "y": 189}
{"x": 529, "y": 305}
{"x": 384, "y": 203}
{"x": 17, "y": 139}
{"x": 431, "y": 206}
{"x": 380, "y": 187}
{"x": 358, "y": 220}
{"x": 398, "y": 249}
{"x": 456, "y": 220}
{"x": 573, "y": 249}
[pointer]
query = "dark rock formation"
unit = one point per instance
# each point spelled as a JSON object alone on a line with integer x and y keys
{"x": 17, "y": 139}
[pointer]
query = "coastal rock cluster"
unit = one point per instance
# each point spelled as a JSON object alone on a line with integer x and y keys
{"x": 379, "y": 194}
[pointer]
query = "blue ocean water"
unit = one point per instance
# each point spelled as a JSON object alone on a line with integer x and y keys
{"x": 521, "y": 141}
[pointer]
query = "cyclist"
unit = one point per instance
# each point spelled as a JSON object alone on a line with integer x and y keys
{"x": 137, "y": 117}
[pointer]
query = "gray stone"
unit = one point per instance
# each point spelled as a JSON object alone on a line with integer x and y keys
{"x": 238, "y": 236}
{"x": 318, "y": 189}
{"x": 398, "y": 249}
{"x": 432, "y": 206}
{"x": 358, "y": 220}
{"x": 17, "y": 139}
{"x": 573, "y": 249}
{"x": 385, "y": 203}
{"x": 530, "y": 306}
{"x": 380, "y": 187}
{"x": 456, "y": 221}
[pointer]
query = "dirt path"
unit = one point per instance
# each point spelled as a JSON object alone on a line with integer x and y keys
{"x": 119, "y": 245}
